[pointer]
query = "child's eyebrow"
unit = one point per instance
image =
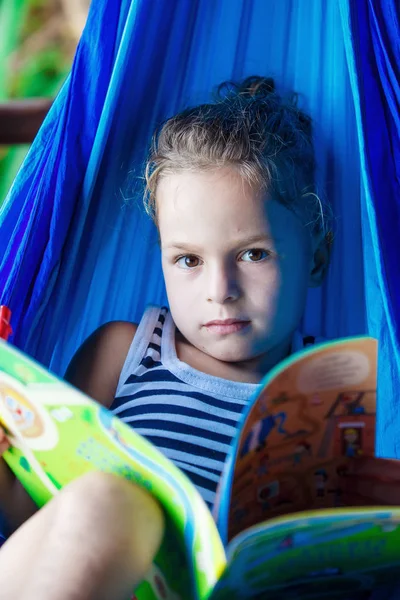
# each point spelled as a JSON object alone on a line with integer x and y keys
{"x": 254, "y": 239}
{"x": 245, "y": 241}
{"x": 180, "y": 246}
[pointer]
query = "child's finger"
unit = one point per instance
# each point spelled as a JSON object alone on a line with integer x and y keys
{"x": 4, "y": 443}
{"x": 4, "y": 446}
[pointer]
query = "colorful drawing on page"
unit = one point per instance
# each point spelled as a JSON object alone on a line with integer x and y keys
{"x": 292, "y": 455}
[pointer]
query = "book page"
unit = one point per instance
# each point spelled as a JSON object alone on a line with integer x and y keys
{"x": 58, "y": 434}
{"x": 313, "y": 418}
{"x": 336, "y": 554}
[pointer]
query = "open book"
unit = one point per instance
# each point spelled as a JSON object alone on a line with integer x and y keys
{"x": 287, "y": 526}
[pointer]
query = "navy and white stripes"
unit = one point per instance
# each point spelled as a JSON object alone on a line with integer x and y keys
{"x": 190, "y": 416}
{"x": 191, "y": 426}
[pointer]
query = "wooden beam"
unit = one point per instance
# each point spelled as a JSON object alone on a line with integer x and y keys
{"x": 20, "y": 120}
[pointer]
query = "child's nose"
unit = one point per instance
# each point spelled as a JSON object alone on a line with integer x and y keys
{"x": 223, "y": 285}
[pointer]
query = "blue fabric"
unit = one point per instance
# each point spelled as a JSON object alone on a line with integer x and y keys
{"x": 89, "y": 254}
{"x": 38, "y": 214}
{"x": 77, "y": 249}
{"x": 372, "y": 38}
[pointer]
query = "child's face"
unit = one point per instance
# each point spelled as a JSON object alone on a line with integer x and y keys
{"x": 232, "y": 256}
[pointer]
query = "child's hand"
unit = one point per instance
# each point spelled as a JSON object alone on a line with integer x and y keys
{"x": 372, "y": 481}
{"x": 4, "y": 443}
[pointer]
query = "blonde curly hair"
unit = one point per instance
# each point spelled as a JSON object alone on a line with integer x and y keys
{"x": 249, "y": 127}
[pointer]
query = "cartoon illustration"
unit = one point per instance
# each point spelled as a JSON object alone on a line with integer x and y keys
{"x": 62, "y": 414}
{"x": 320, "y": 479}
{"x": 350, "y": 410}
{"x": 302, "y": 449}
{"x": 348, "y": 403}
{"x": 21, "y": 413}
{"x": 32, "y": 421}
{"x": 266, "y": 492}
{"x": 352, "y": 441}
{"x": 257, "y": 437}
{"x": 262, "y": 467}
{"x": 276, "y": 493}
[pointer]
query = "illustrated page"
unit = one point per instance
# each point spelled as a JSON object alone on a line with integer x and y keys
{"x": 300, "y": 440}
{"x": 58, "y": 434}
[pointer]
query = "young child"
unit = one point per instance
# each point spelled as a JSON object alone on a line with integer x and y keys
{"x": 243, "y": 235}
{"x": 231, "y": 187}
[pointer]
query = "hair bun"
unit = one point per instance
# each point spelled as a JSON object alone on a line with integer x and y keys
{"x": 257, "y": 86}
{"x": 251, "y": 87}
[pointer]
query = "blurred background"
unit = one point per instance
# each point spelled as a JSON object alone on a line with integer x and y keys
{"x": 38, "y": 39}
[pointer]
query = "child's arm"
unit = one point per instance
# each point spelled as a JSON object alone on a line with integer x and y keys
{"x": 15, "y": 503}
{"x": 96, "y": 367}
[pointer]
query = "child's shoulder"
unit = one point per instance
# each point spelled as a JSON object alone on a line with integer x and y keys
{"x": 113, "y": 332}
{"x": 97, "y": 364}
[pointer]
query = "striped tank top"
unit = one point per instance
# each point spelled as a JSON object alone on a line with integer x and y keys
{"x": 190, "y": 416}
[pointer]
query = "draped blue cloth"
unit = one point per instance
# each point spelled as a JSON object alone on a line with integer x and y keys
{"x": 371, "y": 32}
{"x": 76, "y": 247}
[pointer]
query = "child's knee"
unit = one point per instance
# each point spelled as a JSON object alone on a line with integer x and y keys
{"x": 95, "y": 490}
{"x": 113, "y": 509}
{"x": 107, "y": 494}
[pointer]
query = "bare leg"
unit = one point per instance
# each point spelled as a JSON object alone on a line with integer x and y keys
{"x": 97, "y": 538}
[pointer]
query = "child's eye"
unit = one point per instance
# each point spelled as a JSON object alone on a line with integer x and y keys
{"x": 254, "y": 255}
{"x": 188, "y": 262}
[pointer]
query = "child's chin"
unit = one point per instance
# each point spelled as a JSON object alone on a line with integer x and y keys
{"x": 233, "y": 355}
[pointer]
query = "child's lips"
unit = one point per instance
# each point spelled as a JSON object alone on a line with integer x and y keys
{"x": 224, "y": 327}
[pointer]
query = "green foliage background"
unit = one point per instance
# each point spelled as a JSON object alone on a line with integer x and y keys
{"x": 36, "y": 52}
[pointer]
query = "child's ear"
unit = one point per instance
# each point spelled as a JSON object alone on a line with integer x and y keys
{"x": 321, "y": 256}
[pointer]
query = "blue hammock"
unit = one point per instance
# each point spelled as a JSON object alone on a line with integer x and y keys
{"x": 76, "y": 249}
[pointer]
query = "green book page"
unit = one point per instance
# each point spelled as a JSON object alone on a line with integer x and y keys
{"x": 338, "y": 554}
{"x": 58, "y": 434}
